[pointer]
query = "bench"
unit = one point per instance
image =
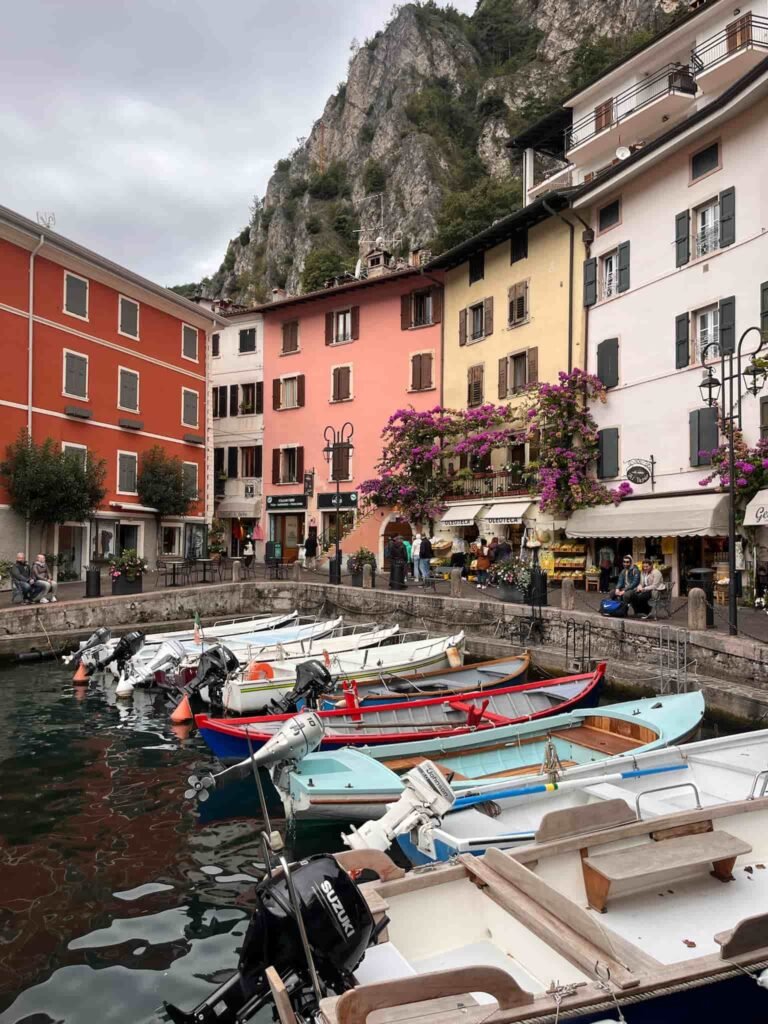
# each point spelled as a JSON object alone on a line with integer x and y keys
{"x": 649, "y": 860}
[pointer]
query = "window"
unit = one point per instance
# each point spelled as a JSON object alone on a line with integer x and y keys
{"x": 609, "y": 275}
{"x": 707, "y": 221}
{"x": 422, "y": 308}
{"x": 76, "y": 296}
{"x": 609, "y": 216}
{"x": 519, "y": 245}
{"x": 705, "y": 161}
{"x": 128, "y": 319}
{"x": 704, "y": 435}
{"x": 189, "y": 342}
{"x": 343, "y": 326}
{"x": 127, "y": 389}
{"x": 604, "y": 115}
{"x": 341, "y": 463}
{"x": 518, "y": 368}
{"x": 475, "y": 386}
{"x": 608, "y": 362}
{"x": 763, "y": 418}
{"x": 247, "y": 342}
{"x": 289, "y": 465}
{"x": 421, "y": 371}
{"x": 189, "y": 407}
{"x": 219, "y": 472}
{"x": 78, "y": 451}
{"x": 126, "y": 472}
{"x": 341, "y": 383}
{"x": 219, "y": 400}
{"x": 608, "y": 453}
{"x": 250, "y": 461}
{"x": 248, "y": 399}
{"x": 289, "y": 393}
{"x": 75, "y": 375}
{"x": 170, "y": 540}
{"x": 517, "y": 371}
{"x": 290, "y": 337}
{"x": 706, "y": 325}
{"x": 518, "y": 304}
{"x": 215, "y": 345}
{"x": 476, "y": 321}
{"x": 259, "y": 397}
{"x": 189, "y": 474}
{"x": 476, "y": 267}
{"x": 234, "y": 401}
{"x": 232, "y": 454}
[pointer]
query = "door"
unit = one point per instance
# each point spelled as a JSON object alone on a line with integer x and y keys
{"x": 603, "y": 115}
{"x": 72, "y": 552}
{"x": 127, "y": 537}
{"x": 739, "y": 33}
{"x": 288, "y": 530}
{"x": 395, "y": 529}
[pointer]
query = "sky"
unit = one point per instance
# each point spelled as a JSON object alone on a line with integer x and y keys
{"x": 147, "y": 126}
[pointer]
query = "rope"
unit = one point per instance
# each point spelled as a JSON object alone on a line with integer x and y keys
{"x": 47, "y": 637}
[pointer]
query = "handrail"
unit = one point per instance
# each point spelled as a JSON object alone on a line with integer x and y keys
{"x": 671, "y": 77}
{"x": 753, "y": 31}
{"x": 663, "y": 789}
{"x": 763, "y": 772}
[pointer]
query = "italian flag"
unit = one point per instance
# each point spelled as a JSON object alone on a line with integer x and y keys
{"x": 198, "y": 635}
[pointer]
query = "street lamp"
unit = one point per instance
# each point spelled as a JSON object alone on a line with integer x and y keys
{"x": 754, "y": 377}
{"x": 337, "y": 442}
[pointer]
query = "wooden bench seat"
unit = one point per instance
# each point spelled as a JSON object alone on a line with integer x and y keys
{"x": 649, "y": 860}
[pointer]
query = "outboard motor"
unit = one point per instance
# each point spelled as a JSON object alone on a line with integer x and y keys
{"x": 214, "y": 667}
{"x": 127, "y": 647}
{"x": 339, "y": 928}
{"x": 312, "y": 681}
{"x": 98, "y": 638}
{"x": 169, "y": 656}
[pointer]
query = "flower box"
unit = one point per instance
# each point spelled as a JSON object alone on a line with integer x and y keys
{"x": 122, "y": 585}
{"x": 512, "y": 593}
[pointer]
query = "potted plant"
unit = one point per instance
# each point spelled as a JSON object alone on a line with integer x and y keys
{"x": 355, "y": 565}
{"x": 514, "y": 580}
{"x": 127, "y": 572}
{"x": 216, "y": 543}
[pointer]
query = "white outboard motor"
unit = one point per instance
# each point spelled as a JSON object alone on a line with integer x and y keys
{"x": 427, "y": 797}
{"x": 169, "y": 656}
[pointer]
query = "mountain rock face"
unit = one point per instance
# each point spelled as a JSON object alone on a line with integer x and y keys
{"x": 419, "y": 129}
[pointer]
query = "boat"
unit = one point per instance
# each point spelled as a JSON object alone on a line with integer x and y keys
{"x": 391, "y": 689}
{"x": 358, "y": 784}
{"x": 225, "y": 629}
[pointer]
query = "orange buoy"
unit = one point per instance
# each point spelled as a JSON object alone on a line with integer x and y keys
{"x": 259, "y": 670}
{"x": 182, "y": 712}
{"x": 181, "y": 732}
{"x": 80, "y": 676}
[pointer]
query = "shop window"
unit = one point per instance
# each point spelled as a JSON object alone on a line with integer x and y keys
{"x": 170, "y": 540}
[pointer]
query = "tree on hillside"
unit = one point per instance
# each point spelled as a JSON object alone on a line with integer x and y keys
{"x": 320, "y": 265}
{"x": 466, "y": 213}
{"x": 162, "y": 485}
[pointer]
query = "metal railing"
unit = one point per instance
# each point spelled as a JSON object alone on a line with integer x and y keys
{"x": 708, "y": 239}
{"x": 610, "y": 282}
{"x": 671, "y": 78}
{"x": 745, "y": 33}
{"x": 488, "y": 485}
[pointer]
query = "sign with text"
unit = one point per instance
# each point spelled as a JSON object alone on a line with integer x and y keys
{"x": 309, "y": 483}
{"x": 640, "y": 471}
{"x": 286, "y": 502}
{"x": 344, "y": 499}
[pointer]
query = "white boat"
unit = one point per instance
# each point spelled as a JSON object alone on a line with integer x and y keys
{"x": 221, "y": 630}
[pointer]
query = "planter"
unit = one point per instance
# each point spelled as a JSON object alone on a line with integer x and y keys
{"x": 356, "y": 579}
{"x": 121, "y": 586}
{"x": 512, "y": 593}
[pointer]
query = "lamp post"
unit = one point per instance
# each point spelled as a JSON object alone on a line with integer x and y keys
{"x": 336, "y": 443}
{"x": 754, "y": 377}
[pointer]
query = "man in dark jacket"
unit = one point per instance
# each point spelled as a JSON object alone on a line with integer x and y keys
{"x": 629, "y": 581}
{"x": 398, "y": 556}
{"x": 425, "y": 554}
{"x": 22, "y": 579}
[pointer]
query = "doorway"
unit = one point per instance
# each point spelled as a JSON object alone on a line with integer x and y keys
{"x": 288, "y": 530}
{"x": 72, "y": 551}
{"x": 127, "y": 538}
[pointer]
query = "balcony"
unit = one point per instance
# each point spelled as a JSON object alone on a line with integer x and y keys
{"x": 707, "y": 240}
{"x": 721, "y": 59}
{"x": 634, "y": 115}
{"x": 488, "y": 485}
{"x": 563, "y": 178}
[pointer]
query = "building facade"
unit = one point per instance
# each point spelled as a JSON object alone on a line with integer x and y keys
{"x": 237, "y": 414}
{"x": 353, "y": 353}
{"x": 105, "y": 362}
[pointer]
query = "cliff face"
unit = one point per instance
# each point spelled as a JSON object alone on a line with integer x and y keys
{"x": 423, "y": 118}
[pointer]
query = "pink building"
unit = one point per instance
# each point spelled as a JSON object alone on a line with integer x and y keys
{"x": 352, "y": 353}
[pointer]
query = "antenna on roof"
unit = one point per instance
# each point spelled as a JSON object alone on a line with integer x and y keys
{"x": 46, "y": 218}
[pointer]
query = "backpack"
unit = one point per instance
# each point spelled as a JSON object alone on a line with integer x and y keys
{"x": 612, "y": 608}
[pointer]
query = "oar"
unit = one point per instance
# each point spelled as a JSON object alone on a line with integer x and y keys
{"x": 478, "y": 796}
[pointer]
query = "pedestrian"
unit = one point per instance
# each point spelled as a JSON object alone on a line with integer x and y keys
{"x": 605, "y": 560}
{"x": 503, "y": 551}
{"x": 629, "y": 581}
{"x": 425, "y": 554}
{"x": 397, "y": 563}
{"x": 408, "y": 554}
{"x": 458, "y": 552}
{"x": 483, "y": 564}
{"x": 493, "y": 548}
{"x": 23, "y": 580}
{"x": 415, "y": 548}
{"x": 310, "y": 552}
{"x": 42, "y": 575}
{"x": 646, "y": 595}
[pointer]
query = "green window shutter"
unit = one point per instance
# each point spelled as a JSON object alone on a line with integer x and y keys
{"x": 190, "y": 409}
{"x": 608, "y": 362}
{"x": 704, "y": 435}
{"x": 728, "y": 325}
{"x": 623, "y": 285}
{"x": 590, "y": 282}
{"x": 764, "y": 309}
{"x": 232, "y": 463}
{"x": 129, "y": 391}
{"x": 682, "y": 341}
{"x": 682, "y": 238}
{"x": 76, "y": 375}
{"x": 727, "y": 217}
{"x": 608, "y": 452}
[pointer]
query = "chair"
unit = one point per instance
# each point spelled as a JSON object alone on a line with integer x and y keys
{"x": 662, "y": 599}
{"x": 162, "y": 569}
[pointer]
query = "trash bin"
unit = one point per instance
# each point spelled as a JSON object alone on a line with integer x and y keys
{"x": 334, "y": 569}
{"x": 397, "y": 576}
{"x": 93, "y": 581}
{"x": 539, "y": 588}
{"x": 705, "y": 579}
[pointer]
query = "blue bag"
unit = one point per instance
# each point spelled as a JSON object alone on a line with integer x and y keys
{"x": 612, "y": 608}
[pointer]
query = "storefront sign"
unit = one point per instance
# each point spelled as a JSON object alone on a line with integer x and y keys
{"x": 309, "y": 483}
{"x": 345, "y": 499}
{"x": 286, "y": 502}
{"x": 638, "y": 474}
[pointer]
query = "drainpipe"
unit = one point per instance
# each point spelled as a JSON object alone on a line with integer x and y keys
{"x": 30, "y": 349}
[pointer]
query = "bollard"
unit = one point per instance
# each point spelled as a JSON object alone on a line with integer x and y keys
{"x": 697, "y": 609}
{"x": 367, "y": 577}
{"x": 296, "y": 569}
{"x": 567, "y": 596}
{"x": 236, "y": 571}
{"x": 456, "y": 582}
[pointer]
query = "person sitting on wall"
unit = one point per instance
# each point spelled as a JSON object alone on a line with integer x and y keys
{"x": 23, "y": 580}
{"x": 628, "y": 582}
{"x": 646, "y": 595}
{"x": 42, "y": 575}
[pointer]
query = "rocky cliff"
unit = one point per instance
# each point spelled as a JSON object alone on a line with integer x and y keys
{"x": 412, "y": 145}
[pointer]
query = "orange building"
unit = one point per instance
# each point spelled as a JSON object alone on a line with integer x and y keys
{"x": 104, "y": 361}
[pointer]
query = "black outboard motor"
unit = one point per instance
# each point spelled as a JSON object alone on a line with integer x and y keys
{"x": 339, "y": 929}
{"x": 214, "y": 667}
{"x": 312, "y": 681}
{"x": 126, "y": 647}
{"x": 98, "y": 638}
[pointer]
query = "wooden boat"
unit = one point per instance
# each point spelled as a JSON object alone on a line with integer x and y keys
{"x": 391, "y": 689}
{"x": 358, "y": 785}
{"x": 607, "y": 920}
{"x": 412, "y": 721}
{"x": 222, "y": 630}
{"x": 704, "y": 774}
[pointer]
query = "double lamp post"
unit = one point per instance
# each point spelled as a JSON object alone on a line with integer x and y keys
{"x": 337, "y": 444}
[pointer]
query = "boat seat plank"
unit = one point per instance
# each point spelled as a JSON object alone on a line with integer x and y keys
{"x": 749, "y": 935}
{"x": 572, "y": 821}
{"x": 404, "y": 764}
{"x": 598, "y": 739}
{"x": 649, "y": 860}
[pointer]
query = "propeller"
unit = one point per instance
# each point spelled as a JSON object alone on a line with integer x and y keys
{"x": 199, "y": 788}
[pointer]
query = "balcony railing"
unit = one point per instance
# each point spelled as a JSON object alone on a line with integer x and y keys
{"x": 749, "y": 32}
{"x": 610, "y": 284}
{"x": 708, "y": 240}
{"x": 672, "y": 78}
{"x": 488, "y": 485}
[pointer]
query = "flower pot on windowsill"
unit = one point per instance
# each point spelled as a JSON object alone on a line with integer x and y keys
{"x": 122, "y": 585}
{"x": 512, "y": 593}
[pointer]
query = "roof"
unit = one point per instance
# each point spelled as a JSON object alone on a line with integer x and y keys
{"x": 339, "y": 289}
{"x": 501, "y": 230}
{"x": 66, "y": 245}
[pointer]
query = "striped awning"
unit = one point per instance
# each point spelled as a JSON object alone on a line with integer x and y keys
{"x": 682, "y": 515}
{"x": 505, "y": 513}
{"x": 462, "y": 515}
{"x": 238, "y": 508}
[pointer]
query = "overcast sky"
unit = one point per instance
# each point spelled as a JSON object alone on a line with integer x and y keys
{"x": 147, "y": 126}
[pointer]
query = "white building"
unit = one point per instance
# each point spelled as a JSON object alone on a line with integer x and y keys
{"x": 668, "y": 155}
{"x": 237, "y": 415}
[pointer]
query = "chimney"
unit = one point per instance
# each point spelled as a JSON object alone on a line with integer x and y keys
{"x": 278, "y": 294}
{"x": 419, "y": 257}
{"x": 378, "y": 262}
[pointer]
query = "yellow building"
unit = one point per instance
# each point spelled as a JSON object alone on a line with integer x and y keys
{"x": 513, "y": 315}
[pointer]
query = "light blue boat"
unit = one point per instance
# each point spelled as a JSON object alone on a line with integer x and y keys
{"x": 356, "y": 785}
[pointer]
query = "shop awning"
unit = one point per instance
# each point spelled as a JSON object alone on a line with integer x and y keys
{"x": 238, "y": 508}
{"x": 462, "y": 515}
{"x": 756, "y": 513}
{"x": 131, "y": 506}
{"x": 695, "y": 515}
{"x": 504, "y": 513}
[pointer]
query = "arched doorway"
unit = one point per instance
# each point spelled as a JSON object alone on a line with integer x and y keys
{"x": 394, "y": 527}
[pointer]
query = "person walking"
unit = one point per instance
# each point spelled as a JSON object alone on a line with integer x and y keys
{"x": 493, "y": 550}
{"x": 41, "y": 575}
{"x": 408, "y": 555}
{"x": 397, "y": 564}
{"x": 458, "y": 553}
{"x": 425, "y": 554}
{"x": 605, "y": 559}
{"x": 310, "y": 552}
{"x": 415, "y": 548}
{"x": 483, "y": 564}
